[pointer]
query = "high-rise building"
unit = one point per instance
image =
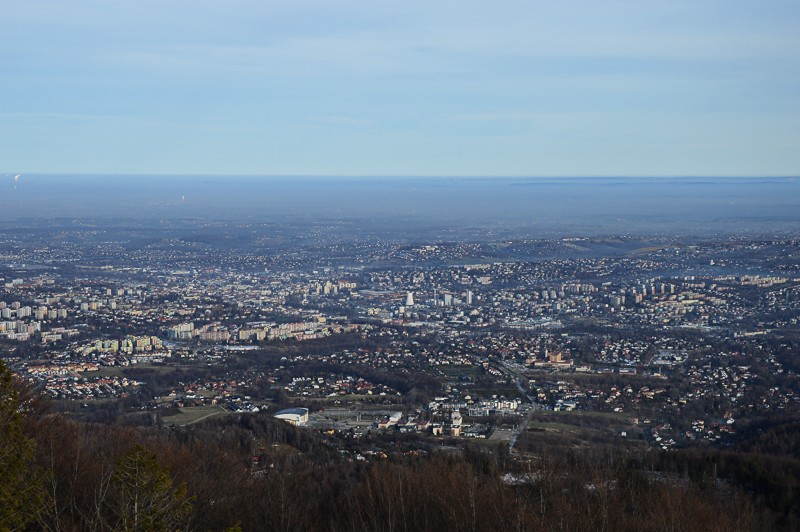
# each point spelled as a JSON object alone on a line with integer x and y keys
{"x": 410, "y": 299}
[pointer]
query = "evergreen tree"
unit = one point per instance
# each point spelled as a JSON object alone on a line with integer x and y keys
{"x": 20, "y": 486}
{"x": 145, "y": 497}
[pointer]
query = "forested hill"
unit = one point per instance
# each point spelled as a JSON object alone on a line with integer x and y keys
{"x": 255, "y": 473}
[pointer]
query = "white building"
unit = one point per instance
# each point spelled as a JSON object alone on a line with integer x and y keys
{"x": 295, "y": 416}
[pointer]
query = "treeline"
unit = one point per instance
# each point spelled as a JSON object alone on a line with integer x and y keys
{"x": 255, "y": 473}
{"x": 203, "y": 480}
{"x": 777, "y": 435}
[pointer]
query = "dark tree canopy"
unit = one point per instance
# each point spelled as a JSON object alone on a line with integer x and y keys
{"x": 20, "y": 485}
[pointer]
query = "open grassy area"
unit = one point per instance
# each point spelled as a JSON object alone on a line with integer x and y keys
{"x": 579, "y": 429}
{"x": 120, "y": 371}
{"x": 610, "y": 417}
{"x": 192, "y": 414}
{"x": 547, "y": 425}
{"x": 500, "y": 434}
{"x": 454, "y": 371}
{"x": 108, "y": 371}
{"x": 593, "y": 420}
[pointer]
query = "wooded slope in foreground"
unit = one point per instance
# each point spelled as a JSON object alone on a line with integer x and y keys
{"x": 256, "y": 473}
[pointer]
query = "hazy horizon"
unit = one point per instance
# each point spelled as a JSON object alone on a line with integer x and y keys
{"x": 519, "y": 206}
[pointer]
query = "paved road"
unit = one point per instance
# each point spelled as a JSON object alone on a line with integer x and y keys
{"x": 534, "y": 405}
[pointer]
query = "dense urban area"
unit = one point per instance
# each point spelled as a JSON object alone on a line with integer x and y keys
{"x": 493, "y": 365}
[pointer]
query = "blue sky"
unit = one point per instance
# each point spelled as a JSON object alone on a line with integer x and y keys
{"x": 400, "y": 88}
